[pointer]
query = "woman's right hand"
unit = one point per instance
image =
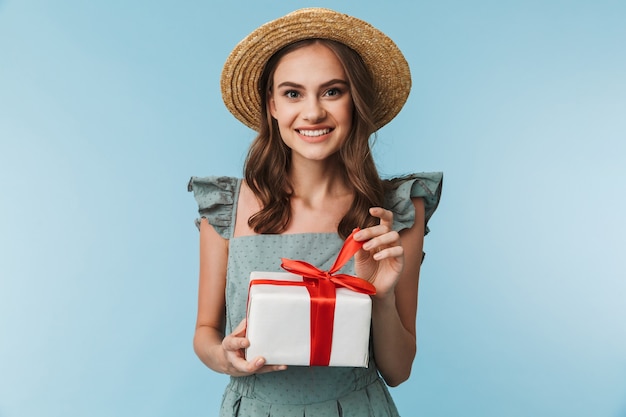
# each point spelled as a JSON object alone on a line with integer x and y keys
{"x": 234, "y": 346}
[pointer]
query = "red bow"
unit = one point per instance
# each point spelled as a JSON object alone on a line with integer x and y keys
{"x": 321, "y": 286}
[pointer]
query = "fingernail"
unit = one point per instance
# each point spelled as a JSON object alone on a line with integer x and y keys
{"x": 260, "y": 362}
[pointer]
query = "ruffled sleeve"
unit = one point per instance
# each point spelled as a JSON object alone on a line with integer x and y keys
{"x": 426, "y": 185}
{"x": 216, "y": 198}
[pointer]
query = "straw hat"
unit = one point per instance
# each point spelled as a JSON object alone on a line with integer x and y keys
{"x": 243, "y": 68}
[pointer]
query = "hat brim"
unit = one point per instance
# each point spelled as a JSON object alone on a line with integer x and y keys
{"x": 382, "y": 57}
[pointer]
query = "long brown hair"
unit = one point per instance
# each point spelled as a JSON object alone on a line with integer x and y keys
{"x": 269, "y": 159}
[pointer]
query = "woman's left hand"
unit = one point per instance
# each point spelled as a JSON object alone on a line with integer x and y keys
{"x": 382, "y": 258}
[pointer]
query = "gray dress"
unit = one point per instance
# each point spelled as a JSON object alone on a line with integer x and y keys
{"x": 299, "y": 391}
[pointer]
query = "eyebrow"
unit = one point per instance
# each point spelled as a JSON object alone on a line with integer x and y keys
{"x": 324, "y": 85}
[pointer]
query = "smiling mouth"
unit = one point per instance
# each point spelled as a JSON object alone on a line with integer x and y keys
{"x": 314, "y": 133}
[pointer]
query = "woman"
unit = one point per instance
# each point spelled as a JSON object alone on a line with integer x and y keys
{"x": 315, "y": 84}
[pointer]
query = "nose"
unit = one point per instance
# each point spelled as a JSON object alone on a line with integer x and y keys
{"x": 314, "y": 110}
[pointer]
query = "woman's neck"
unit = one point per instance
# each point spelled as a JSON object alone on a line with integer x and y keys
{"x": 321, "y": 196}
{"x": 318, "y": 180}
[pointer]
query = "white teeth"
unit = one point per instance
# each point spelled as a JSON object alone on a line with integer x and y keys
{"x": 312, "y": 133}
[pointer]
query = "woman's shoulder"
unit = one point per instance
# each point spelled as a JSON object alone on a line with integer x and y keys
{"x": 217, "y": 198}
{"x": 401, "y": 190}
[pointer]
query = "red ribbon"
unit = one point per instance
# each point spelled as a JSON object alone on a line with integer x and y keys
{"x": 322, "y": 286}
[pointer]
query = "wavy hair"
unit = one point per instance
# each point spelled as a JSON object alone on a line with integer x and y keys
{"x": 269, "y": 159}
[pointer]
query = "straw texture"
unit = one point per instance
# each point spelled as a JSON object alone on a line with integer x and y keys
{"x": 243, "y": 67}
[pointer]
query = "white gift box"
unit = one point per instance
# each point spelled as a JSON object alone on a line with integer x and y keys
{"x": 279, "y": 323}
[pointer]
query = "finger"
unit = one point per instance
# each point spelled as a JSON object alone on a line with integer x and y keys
{"x": 271, "y": 368}
{"x": 242, "y": 366}
{"x": 371, "y": 232}
{"x": 391, "y": 252}
{"x": 236, "y": 339}
{"x": 231, "y": 343}
{"x": 385, "y": 216}
{"x": 256, "y": 366}
{"x": 385, "y": 240}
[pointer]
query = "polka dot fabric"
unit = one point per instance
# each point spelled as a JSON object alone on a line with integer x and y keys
{"x": 298, "y": 391}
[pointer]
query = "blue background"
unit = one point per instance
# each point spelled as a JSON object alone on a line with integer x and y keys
{"x": 107, "y": 108}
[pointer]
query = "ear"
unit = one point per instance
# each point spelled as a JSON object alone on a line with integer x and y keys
{"x": 271, "y": 105}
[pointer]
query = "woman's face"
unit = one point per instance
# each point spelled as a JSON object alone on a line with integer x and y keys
{"x": 311, "y": 102}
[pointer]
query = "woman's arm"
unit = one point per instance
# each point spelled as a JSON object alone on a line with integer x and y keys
{"x": 392, "y": 263}
{"x": 210, "y": 322}
{"x": 222, "y": 354}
